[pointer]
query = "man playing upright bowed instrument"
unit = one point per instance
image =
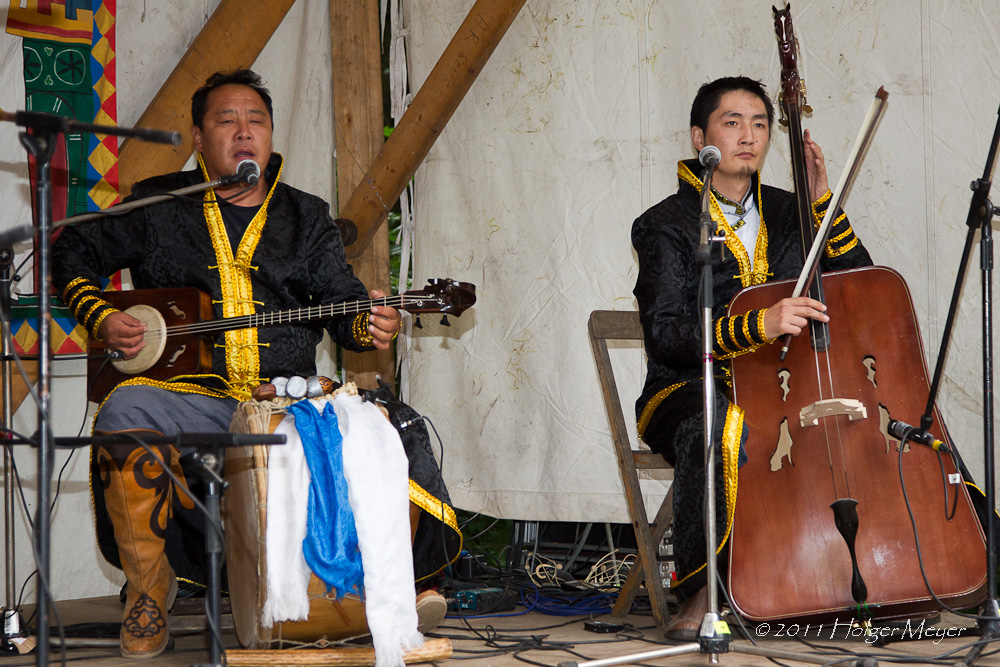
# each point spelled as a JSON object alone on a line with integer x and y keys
{"x": 762, "y": 244}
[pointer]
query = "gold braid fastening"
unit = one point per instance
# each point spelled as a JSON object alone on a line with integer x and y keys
{"x": 359, "y": 327}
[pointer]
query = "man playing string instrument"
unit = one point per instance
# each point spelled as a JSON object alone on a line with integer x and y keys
{"x": 269, "y": 247}
{"x": 762, "y": 244}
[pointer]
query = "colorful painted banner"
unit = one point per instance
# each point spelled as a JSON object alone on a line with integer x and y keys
{"x": 66, "y": 336}
{"x": 69, "y": 70}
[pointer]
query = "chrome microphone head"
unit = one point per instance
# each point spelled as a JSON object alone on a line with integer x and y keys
{"x": 248, "y": 171}
{"x": 709, "y": 156}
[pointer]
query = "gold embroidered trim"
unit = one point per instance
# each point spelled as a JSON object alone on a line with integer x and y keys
{"x": 732, "y": 432}
{"x": 761, "y": 273}
{"x": 242, "y": 355}
{"x": 819, "y": 202}
{"x": 93, "y": 308}
{"x": 73, "y": 283}
{"x": 653, "y": 403}
{"x": 718, "y": 336}
{"x": 80, "y": 296}
{"x": 746, "y": 329}
{"x": 77, "y": 295}
{"x": 738, "y": 353}
{"x": 87, "y": 298}
{"x": 760, "y": 326}
{"x": 239, "y": 265}
{"x": 841, "y": 237}
{"x": 753, "y": 275}
{"x": 433, "y": 506}
{"x": 239, "y": 301}
{"x": 440, "y": 511}
{"x": 100, "y": 319}
{"x": 359, "y": 329}
{"x": 747, "y": 275}
{"x": 179, "y": 387}
{"x": 837, "y": 253}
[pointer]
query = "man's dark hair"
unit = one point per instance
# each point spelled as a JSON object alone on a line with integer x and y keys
{"x": 710, "y": 95}
{"x": 242, "y": 77}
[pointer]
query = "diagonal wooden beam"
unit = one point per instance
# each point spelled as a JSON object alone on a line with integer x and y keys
{"x": 232, "y": 38}
{"x": 432, "y": 107}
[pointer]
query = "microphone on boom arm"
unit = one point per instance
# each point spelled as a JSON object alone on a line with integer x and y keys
{"x": 247, "y": 172}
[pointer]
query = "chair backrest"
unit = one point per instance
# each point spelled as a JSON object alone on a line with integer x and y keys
{"x": 605, "y": 325}
{"x": 608, "y": 325}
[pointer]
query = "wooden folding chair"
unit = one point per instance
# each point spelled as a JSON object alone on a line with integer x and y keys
{"x": 608, "y": 325}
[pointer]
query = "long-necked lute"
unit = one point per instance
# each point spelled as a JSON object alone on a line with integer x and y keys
{"x": 181, "y": 330}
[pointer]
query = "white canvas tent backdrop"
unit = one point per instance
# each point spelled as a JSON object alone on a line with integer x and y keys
{"x": 575, "y": 127}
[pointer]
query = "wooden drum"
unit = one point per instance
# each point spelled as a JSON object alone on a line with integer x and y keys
{"x": 244, "y": 512}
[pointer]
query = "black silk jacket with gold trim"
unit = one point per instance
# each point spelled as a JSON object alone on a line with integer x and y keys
{"x": 666, "y": 239}
{"x": 300, "y": 261}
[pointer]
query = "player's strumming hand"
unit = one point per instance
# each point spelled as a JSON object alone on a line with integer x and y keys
{"x": 124, "y": 333}
{"x": 790, "y": 316}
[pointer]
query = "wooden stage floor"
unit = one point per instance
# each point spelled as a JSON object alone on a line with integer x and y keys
{"x": 539, "y": 639}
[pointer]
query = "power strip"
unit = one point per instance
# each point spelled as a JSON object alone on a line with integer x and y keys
{"x": 483, "y": 600}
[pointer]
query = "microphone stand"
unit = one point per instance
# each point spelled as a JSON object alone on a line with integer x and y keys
{"x": 119, "y": 209}
{"x": 348, "y": 230}
{"x": 709, "y": 639}
{"x": 26, "y": 231}
{"x": 206, "y": 464}
{"x": 40, "y": 143}
{"x": 11, "y": 616}
{"x": 980, "y": 217}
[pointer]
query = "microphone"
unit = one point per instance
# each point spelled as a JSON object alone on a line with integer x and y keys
{"x": 709, "y": 156}
{"x": 901, "y": 430}
{"x": 247, "y": 171}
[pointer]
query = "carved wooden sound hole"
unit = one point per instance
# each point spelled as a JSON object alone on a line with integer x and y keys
{"x": 869, "y": 363}
{"x": 784, "y": 448}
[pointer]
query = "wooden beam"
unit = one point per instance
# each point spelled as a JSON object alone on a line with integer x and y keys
{"x": 232, "y": 38}
{"x": 426, "y": 117}
{"x": 358, "y": 133}
{"x": 433, "y": 649}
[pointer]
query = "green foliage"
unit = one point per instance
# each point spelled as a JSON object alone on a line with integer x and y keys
{"x": 396, "y": 252}
{"x": 485, "y": 535}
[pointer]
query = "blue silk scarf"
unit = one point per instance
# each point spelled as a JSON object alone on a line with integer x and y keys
{"x": 331, "y": 544}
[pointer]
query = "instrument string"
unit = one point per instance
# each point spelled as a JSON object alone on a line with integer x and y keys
{"x": 821, "y": 391}
{"x": 293, "y": 315}
{"x": 793, "y": 112}
{"x": 833, "y": 212}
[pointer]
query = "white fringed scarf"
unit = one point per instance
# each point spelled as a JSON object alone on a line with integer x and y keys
{"x": 376, "y": 470}
{"x": 378, "y": 484}
{"x": 287, "y": 497}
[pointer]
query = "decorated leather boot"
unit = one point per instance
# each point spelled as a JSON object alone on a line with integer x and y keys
{"x": 138, "y": 493}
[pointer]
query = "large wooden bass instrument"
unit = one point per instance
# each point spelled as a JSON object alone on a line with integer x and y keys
{"x": 833, "y": 519}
